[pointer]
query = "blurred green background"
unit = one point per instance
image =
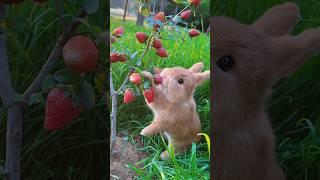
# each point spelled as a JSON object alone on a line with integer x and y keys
{"x": 80, "y": 150}
{"x": 295, "y": 103}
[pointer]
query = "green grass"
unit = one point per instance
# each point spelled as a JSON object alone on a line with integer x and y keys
{"x": 79, "y": 151}
{"x": 295, "y": 104}
{"x": 134, "y": 117}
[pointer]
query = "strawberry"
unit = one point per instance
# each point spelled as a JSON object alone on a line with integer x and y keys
{"x": 116, "y": 57}
{"x": 162, "y": 52}
{"x": 185, "y": 14}
{"x": 128, "y": 96}
{"x": 157, "y": 43}
{"x": 141, "y": 37}
{"x": 194, "y": 2}
{"x": 80, "y": 54}
{"x": 193, "y": 33}
{"x": 157, "y": 79}
{"x": 149, "y": 95}
{"x": 159, "y": 16}
{"x": 11, "y": 1}
{"x": 59, "y": 110}
{"x": 112, "y": 39}
{"x": 157, "y": 70}
{"x": 118, "y": 32}
{"x": 135, "y": 78}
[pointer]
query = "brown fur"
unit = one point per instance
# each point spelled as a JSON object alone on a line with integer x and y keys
{"x": 174, "y": 107}
{"x": 244, "y": 142}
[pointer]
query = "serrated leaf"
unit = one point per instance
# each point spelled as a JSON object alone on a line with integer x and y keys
{"x": 48, "y": 83}
{"x": 35, "y": 99}
{"x": 91, "y": 6}
{"x": 67, "y": 77}
{"x": 86, "y": 95}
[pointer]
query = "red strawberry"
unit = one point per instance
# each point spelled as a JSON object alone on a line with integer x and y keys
{"x": 135, "y": 78}
{"x": 128, "y": 96}
{"x": 157, "y": 43}
{"x": 159, "y": 16}
{"x": 193, "y": 33}
{"x": 149, "y": 95}
{"x": 118, "y": 32}
{"x": 80, "y": 54}
{"x": 194, "y": 2}
{"x": 142, "y": 37}
{"x": 162, "y": 52}
{"x": 59, "y": 110}
{"x": 157, "y": 79}
{"x": 185, "y": 14}
{"x": 11, "y": 1}
{"x": 112, "y": 39}
{"x": 115, "y": 57}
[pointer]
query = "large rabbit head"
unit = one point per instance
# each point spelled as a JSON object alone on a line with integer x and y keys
{"x": 248, "y": 59}
{"x": 179, "y": 83}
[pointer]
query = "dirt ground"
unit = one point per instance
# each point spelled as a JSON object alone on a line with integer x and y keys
{"x": 125, "y": 153}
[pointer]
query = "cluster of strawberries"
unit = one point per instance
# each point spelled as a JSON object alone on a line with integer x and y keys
{"x": 135, "y": 78}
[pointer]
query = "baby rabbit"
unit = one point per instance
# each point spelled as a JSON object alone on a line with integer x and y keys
{"x": 174, "y": 107}
{"x": 247, "y": 61}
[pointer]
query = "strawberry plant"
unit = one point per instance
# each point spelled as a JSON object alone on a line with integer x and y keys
{"x": 68, "y": 81}
{"x": 160, "y": 27}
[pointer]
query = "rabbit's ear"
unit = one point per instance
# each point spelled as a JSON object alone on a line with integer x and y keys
{"x": 196, "y": 68}
{"x": 290, "y": 52}
{"x": 278, "y": 20}
{"x": 200, "y": 77}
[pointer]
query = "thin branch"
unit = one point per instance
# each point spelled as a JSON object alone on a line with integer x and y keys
{"x": 15, "y": 111}
{"x": 177, "y": 15}
{"x": 113, "y": 114}
{"x": 54, "y": 56}
{"x": 140, "y": 58}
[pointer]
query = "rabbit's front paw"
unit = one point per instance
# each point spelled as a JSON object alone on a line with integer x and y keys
{"x": 147, "y": 74}
{"x": 146, "y": 132}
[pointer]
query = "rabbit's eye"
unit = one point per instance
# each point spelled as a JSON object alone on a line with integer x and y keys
{"x": 180, "y": 81}
{"x": 225, "y": 63}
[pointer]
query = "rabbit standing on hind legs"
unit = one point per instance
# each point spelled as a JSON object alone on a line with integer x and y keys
{"x": 247, "y": 61}
{"x": 174, "y": 107}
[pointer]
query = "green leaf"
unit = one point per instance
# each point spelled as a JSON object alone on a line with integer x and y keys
{"x": 48, "y": 83}
{"x": 18, "y": 98}
{"x": 36, "y": 99}
{"x": 146, "y": 84}
{"x": 86, "y": 94}
{"x": 91, "y": 6}
{"x": 67, "y": 77}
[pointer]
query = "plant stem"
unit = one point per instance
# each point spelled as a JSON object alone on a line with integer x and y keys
{"x": 113, "y": 114}
{"x": 114, "y": 97}
{"x": 15, "y": 112}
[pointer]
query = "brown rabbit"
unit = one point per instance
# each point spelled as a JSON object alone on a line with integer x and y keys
{"x": 247, "y": 61}
{"x": 174, "y": 107}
